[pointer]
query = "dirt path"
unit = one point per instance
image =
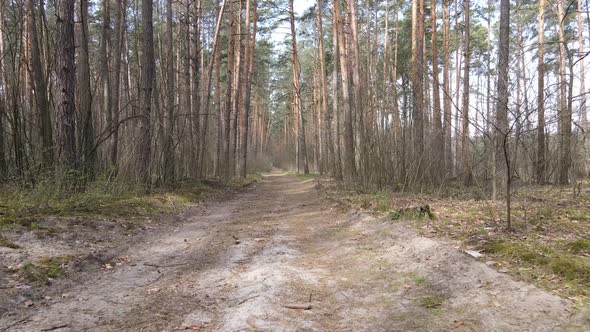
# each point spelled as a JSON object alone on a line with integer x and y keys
{"x": 237, "y": 265}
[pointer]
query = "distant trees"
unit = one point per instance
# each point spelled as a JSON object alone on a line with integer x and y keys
{"x": 405, "y": 95}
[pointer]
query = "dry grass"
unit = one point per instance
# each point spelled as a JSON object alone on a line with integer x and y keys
{"x": 548, "y": 246}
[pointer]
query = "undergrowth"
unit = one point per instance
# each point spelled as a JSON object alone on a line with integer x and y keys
{"x": 536, "y": 260}
{"x": 45, "y": 269}
{"x": 549, "y": 244}
{"x": 25, "y": 205}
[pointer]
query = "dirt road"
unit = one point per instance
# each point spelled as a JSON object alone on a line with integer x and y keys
{"x": 251, "y": 262}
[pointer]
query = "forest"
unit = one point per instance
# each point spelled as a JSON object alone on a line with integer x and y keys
{"x": 463, "y": 120}
{"x": 153, "y": 93}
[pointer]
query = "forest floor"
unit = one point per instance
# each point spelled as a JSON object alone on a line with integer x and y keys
{"x": 278, "y": 256}
{"x": 548, "y": 246}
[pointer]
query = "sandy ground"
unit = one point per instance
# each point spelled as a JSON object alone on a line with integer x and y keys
{"x": 279, "y": 257}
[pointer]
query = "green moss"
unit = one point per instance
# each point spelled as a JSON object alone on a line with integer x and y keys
{"x": 542, "y": 215}
{"x": 416, "y": 213}
{"x": 44, "y": 269}
{"x": 565, "y": 265}
{"x": 26, "y": 206}
{"x": 578, "y": 214}
{"x": 420, "y": 281}
{"x": 578, "y": 246}
{"x": 571, "y": 268}
{"x": 433, "y": 302}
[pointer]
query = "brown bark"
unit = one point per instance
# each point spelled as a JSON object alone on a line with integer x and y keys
{"x": 502, "y": 130}
{"x": 437, "y": 144}
{"x": 228, "y": 92}
{"x": 89, "y": 157}
{"x": 40, "y": 86}
{"x": 565, "y": 116}
{"x": 418, "y": 83}
{"x": 583, "y": 102}
{"x": 297, "y": 91}
{"x": 465, "y": 144}
{"x": 349, "y": 170}
{"x": 336, "y": 97}
{"x": 118, "y": 47}
{"x": 106, "y": 88}
{"x": 147, "y": 83}
{"x": 447, "y": 123}
{"x": 218, "y": 108}
{"x": 248, "y": 72}
{"x": 65, "y": 84}
{"x": 540, "y": 161}
{"x": 170, "y": 93}
{"x": 329, "y": 159}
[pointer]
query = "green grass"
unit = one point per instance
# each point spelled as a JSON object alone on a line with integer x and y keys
{"x": 25, "y": 206}
{"x": 432, "y": 302}
{"x": 419, "y": 281}
{"x": 45, "y": 269}
{"x": 304, "y": 176}
{"x": 379, "y": 201}
{"x": 417, "y": 214}
{"x": 579, "y": 246}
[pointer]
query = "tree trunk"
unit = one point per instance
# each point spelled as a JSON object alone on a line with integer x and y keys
{"x": 120, "y": 23}
{"x": 106, "y": 88}
{"x": 502, "y": 131}
{"x": 437, "y": 144}
{"x": 583, "y": 103}
{"x": 147, "y": 77}
{"x": 89, "y": 156}
{"x": 349, "y": 163}
{"x": 248, "y": 72}
{"x": 297, "y": 91}
{"x": 66, "y": 84}
{"x": 40, "y": 86}
{"x": 465, "y": 145}
{"x": 327, "y": 129}
{"x": 218, "y": 108}
{"x": 228, "y": 92}
{"x": 335, "y": 95}
{"x": 418, "y": 83}
{"x": 170, "y": 93}
{"x": 540, "y": 162}
{"x": 565, "y": 117}
{"x": 447, "y": 123}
